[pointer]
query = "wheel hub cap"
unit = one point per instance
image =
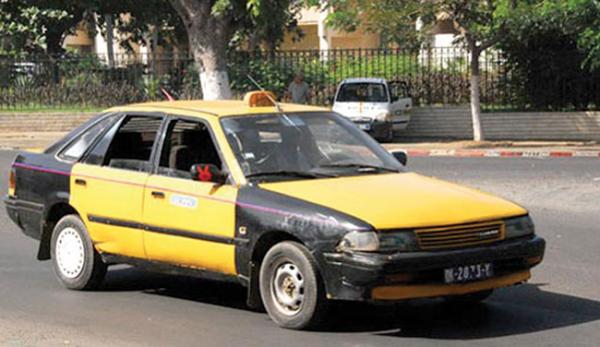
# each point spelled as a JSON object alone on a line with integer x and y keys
{"x": 288, "y": 289}
{"x": 69, "y": 253}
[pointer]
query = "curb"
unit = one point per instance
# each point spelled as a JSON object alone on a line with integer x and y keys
{"x": 476, "y": 153}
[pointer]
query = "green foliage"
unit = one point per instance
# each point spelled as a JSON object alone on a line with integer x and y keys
{"x": 554, "y": 43}
{"x": 428, "y": 83}
{"x": 41, "y": 25}
{"x": 22, "y": 26}
{"x": 393, "y": 20}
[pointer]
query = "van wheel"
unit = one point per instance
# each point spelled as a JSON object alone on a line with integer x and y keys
{"x": 291, "y": 288}
{"x": 389, "y": 136}
{"x": 471, "y": 298}
{"x": 77, "y": 264}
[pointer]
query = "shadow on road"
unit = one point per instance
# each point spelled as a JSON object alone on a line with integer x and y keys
{"x": 513, "y": 311}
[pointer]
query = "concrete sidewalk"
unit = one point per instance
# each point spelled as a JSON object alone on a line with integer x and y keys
{"x": 39, "y": 140}
{"x": 29, "y": 140}
{"x": 498, "y": 148}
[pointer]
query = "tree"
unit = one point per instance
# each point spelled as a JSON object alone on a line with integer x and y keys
{"x": 42, "y": 25}
{"x": 479, "y": 23}
{"x": 394, "y": 21}
{"x": 555, "y": 44}
{"x": 26, "y": 28}
{"x": 212, "y": 25}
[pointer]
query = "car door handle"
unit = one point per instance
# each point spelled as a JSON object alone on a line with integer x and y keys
{"x": 158, "y": 195}
{"x": 80, "y": 182}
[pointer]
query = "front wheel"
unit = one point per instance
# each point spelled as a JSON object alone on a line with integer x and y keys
{"x": 291, "y": 288}
{"x": 388, "y": 136}
{"x": 77, "y": 265}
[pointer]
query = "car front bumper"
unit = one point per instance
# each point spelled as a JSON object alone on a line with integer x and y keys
{"x": 380, "y": 277}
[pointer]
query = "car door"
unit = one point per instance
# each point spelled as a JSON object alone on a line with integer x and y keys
{"x": 107, "y": 187}
{"x": 188, "y": 222}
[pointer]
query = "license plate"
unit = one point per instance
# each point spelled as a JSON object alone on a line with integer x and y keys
{"x": 364, "y": 126}
{"x": 468, "y": 273}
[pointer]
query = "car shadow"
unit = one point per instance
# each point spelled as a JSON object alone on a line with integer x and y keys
{"x": 181, "y": 287}
{"x": 512, "y": 311}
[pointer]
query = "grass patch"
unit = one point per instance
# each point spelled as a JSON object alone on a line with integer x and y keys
{"x": 49, "y": 109}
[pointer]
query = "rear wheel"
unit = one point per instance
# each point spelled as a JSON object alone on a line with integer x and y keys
{"x": 291, "y": 288}
{"x": 471, "y": 298}
{"x": 77, "y": 265}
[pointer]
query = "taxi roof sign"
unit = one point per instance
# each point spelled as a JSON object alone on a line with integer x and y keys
{"x": 260, "y": 99}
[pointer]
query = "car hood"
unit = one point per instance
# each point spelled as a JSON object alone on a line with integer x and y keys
{"x": 403, "y": 200}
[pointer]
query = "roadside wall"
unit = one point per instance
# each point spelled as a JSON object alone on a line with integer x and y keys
{"x": 41, "y": 122}
{"x": 426, "y": 122}
{"x": 455, "y": 123}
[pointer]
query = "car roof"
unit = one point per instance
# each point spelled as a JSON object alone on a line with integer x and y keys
{"x": 364, "y": 80}
{"x": 217, "y": 108}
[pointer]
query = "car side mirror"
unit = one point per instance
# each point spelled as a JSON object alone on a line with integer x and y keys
{"x": 208, "y": 173}
{"x": 401, "y": 156}
{"x": 395, "y": 98}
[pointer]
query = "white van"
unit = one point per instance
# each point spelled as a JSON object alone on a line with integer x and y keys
{"x": 376, "y": 106}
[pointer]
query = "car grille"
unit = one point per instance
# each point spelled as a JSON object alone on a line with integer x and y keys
{"x": 460, "y": 235}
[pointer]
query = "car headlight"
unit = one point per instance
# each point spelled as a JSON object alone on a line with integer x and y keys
{"x": 398, "y": 241}
{"x": 387, "y": 241}
{"x": 517, "y": 227}
{"x": 366, "y": 241}
{"x": 383, "y": 117}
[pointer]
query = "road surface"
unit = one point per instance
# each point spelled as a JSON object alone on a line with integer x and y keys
{"x": 559, "y": 307}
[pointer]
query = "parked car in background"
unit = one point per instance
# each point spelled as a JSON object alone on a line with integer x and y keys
{"x": 376, "y": 106}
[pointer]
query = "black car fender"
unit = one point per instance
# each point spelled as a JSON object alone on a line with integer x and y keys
{"x": 57, "y": 206}
{"x": 264, "y": 218}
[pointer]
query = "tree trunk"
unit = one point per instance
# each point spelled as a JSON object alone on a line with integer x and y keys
{"x": 110, "y": 40}
{"x": 54, "y": 42}
{"x": 212, "y": 58}
{"x": 209, "y": 36}
{"x": 475, "y": 101}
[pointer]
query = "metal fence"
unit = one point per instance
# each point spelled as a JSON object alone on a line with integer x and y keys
{"x": 437, "y": 76}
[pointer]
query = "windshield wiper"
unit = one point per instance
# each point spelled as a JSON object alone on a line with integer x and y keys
{"x": 360, "y": 166}
{"x": 302, "y": 174}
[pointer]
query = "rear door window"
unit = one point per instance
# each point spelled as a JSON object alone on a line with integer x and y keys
{"x": 132, "y": 145}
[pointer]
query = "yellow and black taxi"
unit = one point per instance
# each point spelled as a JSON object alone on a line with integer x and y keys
{"x": 294, "y": 202}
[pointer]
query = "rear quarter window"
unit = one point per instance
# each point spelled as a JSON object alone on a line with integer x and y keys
{"x": 77, "y": 147}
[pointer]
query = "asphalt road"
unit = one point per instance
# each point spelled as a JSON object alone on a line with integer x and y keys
{"x": 559, "y": 307}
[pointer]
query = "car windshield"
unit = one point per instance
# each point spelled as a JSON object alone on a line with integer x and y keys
{"x": 362, "y": 92}
{"x": 304, "y": 145}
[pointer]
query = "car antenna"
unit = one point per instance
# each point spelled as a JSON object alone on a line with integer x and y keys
{"x": 277, "y": 106}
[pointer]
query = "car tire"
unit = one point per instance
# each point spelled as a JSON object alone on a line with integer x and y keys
{"x": 389, "y": 136}
{"x": 471, "y": 298}
{"x": 291, "y": 287}
{"x": 77, "y": 265}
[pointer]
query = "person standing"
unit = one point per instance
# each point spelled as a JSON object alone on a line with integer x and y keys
{"x": 298, "y": 91}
